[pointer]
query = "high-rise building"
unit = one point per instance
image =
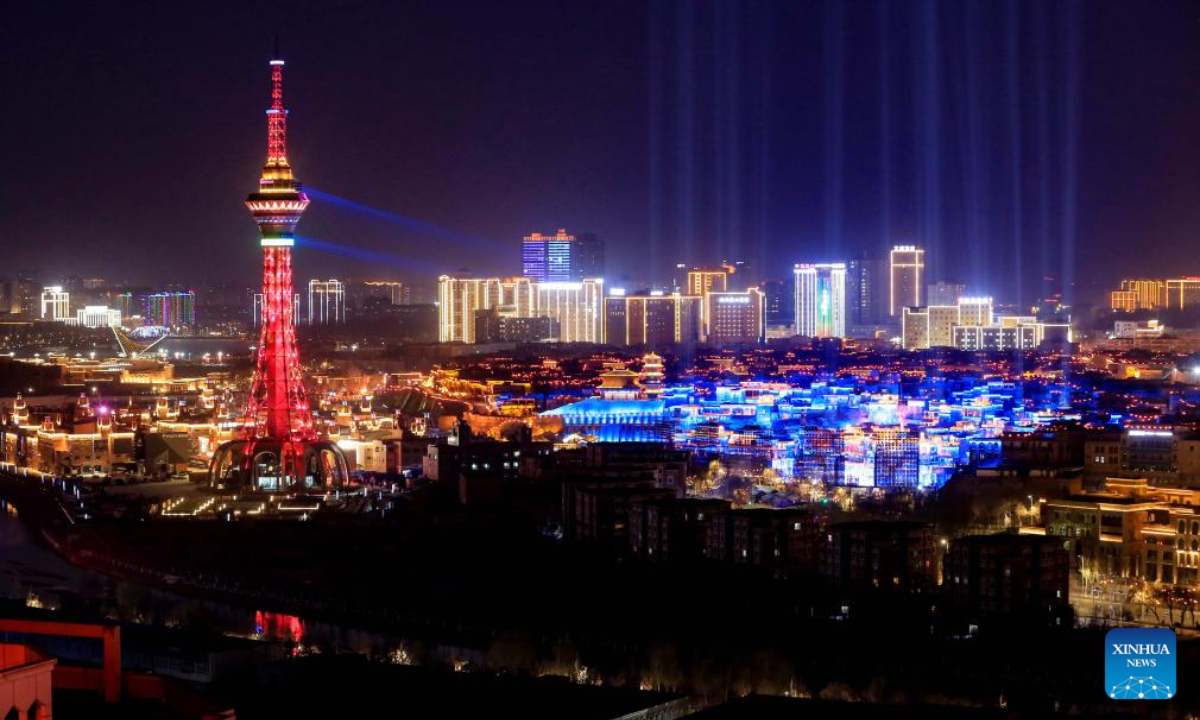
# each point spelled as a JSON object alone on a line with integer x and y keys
{"x": 653, "y": 320}
{"x": 701, "y": 281}
{"x": 547, "y": 258}
{"x": 820, "y": 299}
{"x": 577, "y": 308}
{"x": 23, "y": 297}
{"x": 944, "y": 293}
{"x": 587, "y": 257}
{"x": 1150, "y": 294}
{"x": 56, "y": 304}
{"x": 779, "y": 300}
{"x": 734, "y": 318}
{"x": 459, "y": 298}
{"x": 326, "y": 302}
{"x": 866, "y": 291}
{"x": 1183, "y": 293}
{"x": 280, "y": 447}
{"x": 170, "y": 309}
{"x": 906, "y": 268}
{"x": 128, "y": 304}
{"x": 17, "y": 295}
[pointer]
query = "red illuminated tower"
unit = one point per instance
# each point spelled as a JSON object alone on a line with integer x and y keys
{"x": 278, "y": 405}
{"x": 280, "y": 448}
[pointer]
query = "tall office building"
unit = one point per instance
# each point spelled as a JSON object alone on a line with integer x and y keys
{"x": 779, "y": 299}
{"x": 587, "y": 257}
{"x": 56, "y": 304}
{"x": 17, "y": 296}
{"x": 906, "y": 269}
{"x": 547, "y": 258}
{"x": 170, "y": 309}
{"x": 701, "y": 281}
{"x": 820, "y": 299}
{"x": 866, "y": 291}
{"x": 734, "y": 318}
{"x": 1150, "y": 294}
{"x": 1183, "y": 293}
{"x": 576, "y": 307}
{"x": 654, "y": 320}
{"x": 326, "y": 302}
{"x": 459, "y": 298}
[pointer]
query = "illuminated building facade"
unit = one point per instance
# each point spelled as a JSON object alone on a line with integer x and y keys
{"x": 19, "y": 297}
{"x": 652, "y": 320}
{"x": 390, "y": 289}
{"x": 1150, "y": 294}
{"x": 906, "y": 273}
{"x": 56, "y": 304}
{"x": 326, "y": 302}
{"x": 1123, "y": 301}
{"x": 702, "y": 281}
{"x": 97, "y": 316}
{"x": 576, "y": 307}
{"x": 460, "y": 298}
{"x": 820, "y": 300}
{"x": 281, "y": 448}
{"x": 1129, "y": 529}
{"x": 996, "y": 338}
{"x": 170, "y": 309}
{"x": 734, "y": 318}
{"x": 934, "y": 325}
{"x": 547, "y": 258}
{"x": 1182, "y": 294}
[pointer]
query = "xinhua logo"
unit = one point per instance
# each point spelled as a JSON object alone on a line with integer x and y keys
{"x": 1139, "y": 664}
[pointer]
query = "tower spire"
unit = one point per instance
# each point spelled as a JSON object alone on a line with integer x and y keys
{"x": 276, "y": 121}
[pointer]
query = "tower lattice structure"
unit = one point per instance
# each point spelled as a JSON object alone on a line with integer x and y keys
{"x": 278, "y": 407}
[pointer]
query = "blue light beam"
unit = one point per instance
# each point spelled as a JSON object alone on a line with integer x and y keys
{"x": 371, "y": 256}
{"x": 421, "y": 226}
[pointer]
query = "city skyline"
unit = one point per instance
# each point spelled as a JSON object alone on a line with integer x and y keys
{"x": 828, "y": 366}
{"x": 948, "y": 194}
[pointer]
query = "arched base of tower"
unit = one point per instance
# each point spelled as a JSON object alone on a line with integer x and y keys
{"x": 278, "y": 466}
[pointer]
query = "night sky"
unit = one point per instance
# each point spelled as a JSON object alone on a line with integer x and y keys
{"x": 1013, "y": 140}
